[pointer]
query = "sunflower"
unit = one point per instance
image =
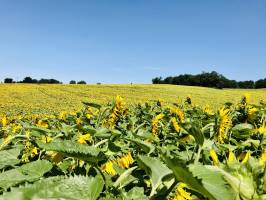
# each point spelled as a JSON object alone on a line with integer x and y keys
{"x": 175, "y": 124}
{"x": 42, "y": 124}
{"x": 261, "y": 129}
{"x": 181, "y": 193}
{"x": 82, "y": 139}
{"x": 187, "y": 138}
{"x": 214, "y": 157}
{"x": 118, "y": 109}
{"x": 178, "y": 112}
{"x": 262, "y": 158}
{"x": 231, "y": 157}
{"x": 246, "y": 157}
{"x": 108, "y": 168}
{"x": 224, "y": 124}
{"x": 4, "y": 121}
{"x": 155, "y": 122}
{"x": 46, "y": 139}
{"x": 125, "y": 161}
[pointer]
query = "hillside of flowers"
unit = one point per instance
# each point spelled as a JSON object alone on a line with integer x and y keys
{"x": 117, "y": 151}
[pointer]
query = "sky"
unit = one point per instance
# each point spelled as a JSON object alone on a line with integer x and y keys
{"x": 131, "y": 41}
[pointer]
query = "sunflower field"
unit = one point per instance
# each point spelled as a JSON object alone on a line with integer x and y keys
{"x": 152, "y": 150}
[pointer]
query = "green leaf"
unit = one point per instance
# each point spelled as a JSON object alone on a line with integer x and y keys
{"x": 64, "y": 188}
{"x": 193, "y": 129}
{"x": 103, "y": 133}
{"x": 145, "y": 135}
{"x": 9, "y": 157}
{"x": 135, "y": 193}
{"x": 242, "y": 185}
{"x": 182, "y": 173}
{"x": 145, "y": 146}
{"x": 155, "y": 169}
{"x": 74, "y": 149}
{"x": 28, "y": 172}
{"x": 213, "y": 182}
{"x": 242, "y": 131}
{"x": 125, "y": 177}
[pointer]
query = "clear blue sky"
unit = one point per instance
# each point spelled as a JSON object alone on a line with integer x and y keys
{"x": 123, "y": 41}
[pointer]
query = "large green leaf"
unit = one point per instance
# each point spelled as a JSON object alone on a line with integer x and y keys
{"x": 73, "y": 149}
{"x": 241, "y": 184}
{"x": 9, "y": 157}
{"x": 64, "y": 188}
{"x": 183, "y": 174}
{"x": 28, "y": 172}
{"x": 243, "y": 130}
{"x": 214, "y": 182}
{"x": 155, "y": 169}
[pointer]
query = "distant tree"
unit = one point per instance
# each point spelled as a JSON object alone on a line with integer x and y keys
{"x": 53, "y": 81}
{"x": 157, "y": 80}
{"x": 48, "y": 81}
{"x": 34, "y": 81}
{"x": 208, "y": 79}
{"x": 246, "y": 84}
{"x": 261, "y": 83}
{"x": 27, "y": 80}
{"x": 8, "y": 80}
{"x": 43, "y": 81}
{"x": 72, "y": 82}
{"x": 81, "y": 82}
{"x": 168, "y": 80}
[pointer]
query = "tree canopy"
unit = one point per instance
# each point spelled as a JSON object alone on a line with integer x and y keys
{"x": 209, "y": 79}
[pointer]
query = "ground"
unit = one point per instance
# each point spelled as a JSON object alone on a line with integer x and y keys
{"x": 55, "y": 98}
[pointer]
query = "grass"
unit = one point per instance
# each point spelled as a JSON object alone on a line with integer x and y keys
{"x": 31, "y": 98}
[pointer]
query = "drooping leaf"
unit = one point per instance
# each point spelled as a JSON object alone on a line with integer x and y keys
{"x": 73, "y": 149}
{"x": 135, "y": 193}
{"x": 242, "y": 185}
{"x": 64, "y": 188}
{"x": 182, "y": 174}
{"x": 155, "y": 169}
{"x": 9, "y": 157}
{"x": 145, "y": 146}
{"x": 125, "y": 178}
{"x": 241, "y": 131}
{"x": 194, "y": 129}
{"x": 213, "y": 182}
{"x": 27, "y": 172}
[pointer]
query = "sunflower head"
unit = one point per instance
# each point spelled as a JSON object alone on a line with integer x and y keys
{"x": 214, "y": 157}
{"x": 125, "y": 161}
{"x": 245, "y": 99}
{"x": 224, "y": 123}
{"x": 262, "y": 159}
{"x": 108, "y": 168}
{"x": 155, "y": 122}
{"x": 181, "y": 193}
{"x": 82, "y": 139}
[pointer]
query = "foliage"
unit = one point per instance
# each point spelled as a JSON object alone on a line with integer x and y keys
{"x": 81, "y": 82}
{"x": 141, "y": 151}
{"x": 8, "y": 80}
{"x": 31, "y": 80}
{"x": 212, "y": 79}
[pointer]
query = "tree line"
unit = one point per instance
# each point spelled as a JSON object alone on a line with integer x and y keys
{"x": 40, "y": 81}
{"x": 209, "y": 79}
